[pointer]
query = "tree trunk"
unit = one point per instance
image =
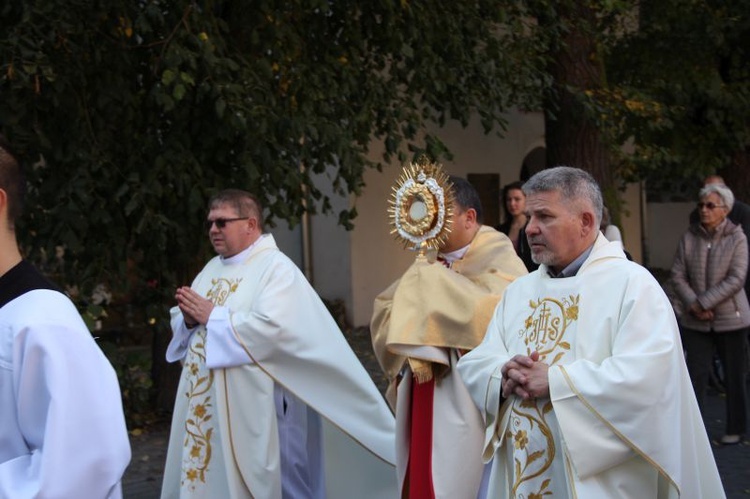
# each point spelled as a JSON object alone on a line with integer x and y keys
{"x": 572, "y": 135}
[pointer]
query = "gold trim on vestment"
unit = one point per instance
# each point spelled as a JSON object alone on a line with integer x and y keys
{"x": 229, "y": 432}
{"x": 571, "y": 475}
{"x": 614, "y": 430}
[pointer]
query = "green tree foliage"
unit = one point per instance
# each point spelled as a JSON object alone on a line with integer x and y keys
{"x": 133, "y": 113}
{"x": 668, "y": 80}
{"x": 682, "y": 94}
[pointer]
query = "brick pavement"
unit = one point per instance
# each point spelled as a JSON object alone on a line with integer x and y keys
{"x": 143, "y": 478}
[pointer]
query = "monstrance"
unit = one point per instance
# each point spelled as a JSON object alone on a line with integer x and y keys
{"x": 421, "y": 206}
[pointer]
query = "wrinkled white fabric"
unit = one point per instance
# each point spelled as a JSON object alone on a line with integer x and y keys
{"x": 269, "y": 331}
{"x": 62, "y": 428}
{"x": 621, "y": 420}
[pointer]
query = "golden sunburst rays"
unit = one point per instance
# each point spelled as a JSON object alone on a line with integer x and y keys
{"x": 421, "y": 206}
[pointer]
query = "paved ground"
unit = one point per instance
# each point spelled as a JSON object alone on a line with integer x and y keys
{"x": 143, "y": 478}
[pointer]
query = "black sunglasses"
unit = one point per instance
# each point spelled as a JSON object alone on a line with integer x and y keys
{"x": 222, "y": 222}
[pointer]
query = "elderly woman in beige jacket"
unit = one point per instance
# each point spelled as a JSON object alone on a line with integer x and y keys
{"x": 708, "y": 275}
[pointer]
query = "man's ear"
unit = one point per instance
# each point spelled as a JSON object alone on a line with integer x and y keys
{"x": 3, "y": 206}
{"x": 471, "y": 215}
{"x": 588, "y": 224}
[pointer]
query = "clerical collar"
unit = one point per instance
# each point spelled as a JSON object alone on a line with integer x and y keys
{"x": 455, "y": 255}
{"x": 242, "y": 255}
{"x": 21, "y": 279}
{"x": 573, "y": 267}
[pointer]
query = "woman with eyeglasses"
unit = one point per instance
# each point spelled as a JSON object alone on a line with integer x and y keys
{"x": 708, "y": 276}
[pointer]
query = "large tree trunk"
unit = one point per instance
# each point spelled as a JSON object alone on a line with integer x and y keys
{"x": 572, "y": 136}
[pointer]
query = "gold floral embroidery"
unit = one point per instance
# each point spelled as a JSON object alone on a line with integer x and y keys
{"x": 221, "y": 289}
{"x": 533, "y": 440}
{"x": 198, "y": 426}
{"x": 521, "y": 440}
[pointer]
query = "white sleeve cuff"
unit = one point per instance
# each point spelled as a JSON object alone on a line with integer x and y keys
{"x": 222, "y": 348}
{"x": 178, "y": 346}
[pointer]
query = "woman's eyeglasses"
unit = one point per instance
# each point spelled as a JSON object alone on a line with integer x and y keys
{"x": 222, "y": 222}
{"x": 709, "y": 205}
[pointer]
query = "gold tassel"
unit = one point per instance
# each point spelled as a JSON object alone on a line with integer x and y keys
{"x": 421, "y": 369}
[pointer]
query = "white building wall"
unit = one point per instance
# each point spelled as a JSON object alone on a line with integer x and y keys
{"x": 330, "y": 248}
{"x": 665, "y": 225}
{"x": 377, "y": 259}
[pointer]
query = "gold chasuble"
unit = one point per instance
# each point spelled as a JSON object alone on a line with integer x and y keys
{"x": 621, "y": 419}
{"x": 430, "y": 316}
{"x": 449, "y": 308}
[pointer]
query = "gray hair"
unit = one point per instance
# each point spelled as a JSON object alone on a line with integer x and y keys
{"x": 573, "y": 184}
{"x": 724, "y": 192}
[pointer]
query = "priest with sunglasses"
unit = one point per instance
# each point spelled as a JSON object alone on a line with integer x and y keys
{"x": 272, "y": 401}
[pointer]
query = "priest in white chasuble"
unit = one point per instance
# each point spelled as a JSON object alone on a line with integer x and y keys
{"x": 421, "y": 325}
{"x": 272, "y": 401}
{"x": 581, "y": 376}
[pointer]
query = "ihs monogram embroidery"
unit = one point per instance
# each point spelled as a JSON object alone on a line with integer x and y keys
{"x": 198, "y": 426}
{"x": 221, "y": 289}
{"x": 545, "y": 327}
{"x": 530, "y": 436}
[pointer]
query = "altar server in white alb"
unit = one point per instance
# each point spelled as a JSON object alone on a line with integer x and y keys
{"x": 272, "y": 401}
{"x": 581, "y": 376}
{"x": 62, "y": 428}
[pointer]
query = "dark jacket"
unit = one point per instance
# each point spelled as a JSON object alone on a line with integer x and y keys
{"x": 523, "y": 250}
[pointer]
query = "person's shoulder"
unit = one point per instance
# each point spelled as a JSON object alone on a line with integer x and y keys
{"x": 740, "y": 213}
{"x": 742, "y": 206}
{"x": 50, "y": 300}
{"x": 734, "y": 231}
{"x": 22, "y": 313}
{"x": 615, "y": 265}
{"x": 503, "y": 227}
{"x": 487, "y": 235}
{"x": 530, "y": 279}
{"x": 612, "y": 233}
{"x": 278, "y": 263}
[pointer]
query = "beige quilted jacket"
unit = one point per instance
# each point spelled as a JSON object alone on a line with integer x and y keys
{"x": 711, "y": 268}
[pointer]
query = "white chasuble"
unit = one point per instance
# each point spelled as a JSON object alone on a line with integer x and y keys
{"x": 621, "y": 419}
{"x": 268, "y": 334}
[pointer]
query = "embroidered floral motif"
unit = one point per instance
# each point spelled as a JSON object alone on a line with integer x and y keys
{"x": 198, "y": 424}
{"x": 521, "y": 440}
{"x": 534, "y": 448}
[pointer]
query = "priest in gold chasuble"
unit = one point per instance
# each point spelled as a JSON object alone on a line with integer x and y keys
{"x": 437, "y": 311}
